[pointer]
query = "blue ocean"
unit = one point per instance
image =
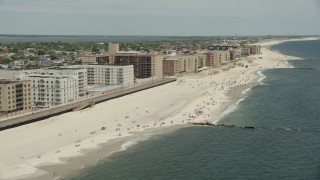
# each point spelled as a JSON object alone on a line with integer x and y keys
{"x": 284, "y": 108}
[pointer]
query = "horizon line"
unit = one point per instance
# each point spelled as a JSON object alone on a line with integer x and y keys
{"x": 236, "y": 35}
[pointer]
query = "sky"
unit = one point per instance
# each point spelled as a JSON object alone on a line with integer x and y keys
{"x": 160, "y": 17}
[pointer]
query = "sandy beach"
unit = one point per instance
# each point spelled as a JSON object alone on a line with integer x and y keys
{"x": 116, "y": 124}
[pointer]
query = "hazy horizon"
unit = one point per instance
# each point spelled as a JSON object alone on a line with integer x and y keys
{"x": 160, "y": 18}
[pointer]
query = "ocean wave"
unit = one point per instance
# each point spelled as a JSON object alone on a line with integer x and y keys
{"x": 227, "y": 111}
{"x": 262, "y": 77}
{"x": 240, "y": 100}
{"x": 135, "y": 141}
{"x": 246, "y": 91}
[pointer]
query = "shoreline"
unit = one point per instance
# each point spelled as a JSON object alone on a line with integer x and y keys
{"x": 213, "y": 95}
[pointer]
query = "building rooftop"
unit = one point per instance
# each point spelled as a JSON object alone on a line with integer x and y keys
{"x": 8, "y": 81}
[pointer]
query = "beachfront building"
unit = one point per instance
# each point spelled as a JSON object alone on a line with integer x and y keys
{"x": 245, "y": 51}
{"x": 217, "y": 58}
{"x": 110, "y": 75}
{"x": 255, "y": 49}
{"x": 172, "y": 65}
{"x": 145, "y": 65}
{"x": 15, "y": 96}
{"x": 189, "y": 63}
{"x": 52, "y": 87}
{"x": 202, "y": 58}
{"x": 235, "y": 54}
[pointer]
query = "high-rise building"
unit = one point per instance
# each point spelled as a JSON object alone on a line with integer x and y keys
{"x": 113, "y": 48}
{"x": 52, "y": 87}
{"x": 102, "y": 75}
{"x": 15, "y": 96}
{"x": 245, "y": 51}
{"x": 145, "y": 65}
{"x": 172, "y": 65}
{"x": 255, "y": 49}
{"x": 217, "y": 58}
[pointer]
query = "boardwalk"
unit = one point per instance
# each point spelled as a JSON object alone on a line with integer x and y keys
{"x": 56, "y": 110}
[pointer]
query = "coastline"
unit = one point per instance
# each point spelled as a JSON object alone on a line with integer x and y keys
{"x": 139, "y": 116}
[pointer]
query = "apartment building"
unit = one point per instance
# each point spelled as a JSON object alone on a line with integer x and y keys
{"x": 15, "y": 96}
{"x": 113, "y": 50}
{"x": 52, "y": 87}
{"x": 172, "y": 65}
{"x": 217, "y": 58}
{"x": 102, "y": 75}
{"x": 245, "y": 51}
{"x": 202, "y": 58}
{"x": 255, "y": 49}
{"x": 235, "y": 54}
{"x": 189, "y": 63}
{"x": 145, "y": 65}
{"x": 88, "y": 59}
{"x": 194, "y": 47}
{"x": 94, "y": 59}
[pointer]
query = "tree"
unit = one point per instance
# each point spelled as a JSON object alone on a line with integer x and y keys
{"x": 53, "y": 56}
{"x": 13, "y": 50}
{"x": 6, "y": 61}
{"x": 95, "y": 49}
{"x": 41, "y": 52}
{"x": 31, "y": 58}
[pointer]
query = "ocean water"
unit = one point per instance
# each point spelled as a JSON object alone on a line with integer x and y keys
{"x": 285, "y": 108}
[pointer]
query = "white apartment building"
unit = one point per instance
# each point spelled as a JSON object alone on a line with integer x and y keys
{"x": 52, "y": 87}
{"x": 101, "y": 75}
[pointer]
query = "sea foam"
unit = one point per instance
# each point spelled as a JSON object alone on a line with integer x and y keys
{"x": 135, "y": 141}
{"x": 262, "y": 77}
{"x": 246, "y": 91}
{"x": 227, "y": 111}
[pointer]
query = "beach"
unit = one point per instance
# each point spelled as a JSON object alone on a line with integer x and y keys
{"x": 116, "y": 124}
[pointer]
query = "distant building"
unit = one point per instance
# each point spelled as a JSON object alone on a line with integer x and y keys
{"x": 189, "y": 63}
{"x": 217, "y": 58}
{"x": 171, "y": 67}
{"x": 255, "y": 49}
{"x": 15, "y": 96}
{"x": 235, "y": 54}
{"x": 88, "y": 59}
{"x": 245, "y": 51}
{"x": 102, "y": 59}
{"x": 10, "y": 74}
{"x": 113, "y": 48}
{"x": 202, "y": 58}
{"x": 145, "y": 65}
{"x": 102, "y": 75}
{"x": 194, "y": 47}
{"x": 94, "y": 59}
